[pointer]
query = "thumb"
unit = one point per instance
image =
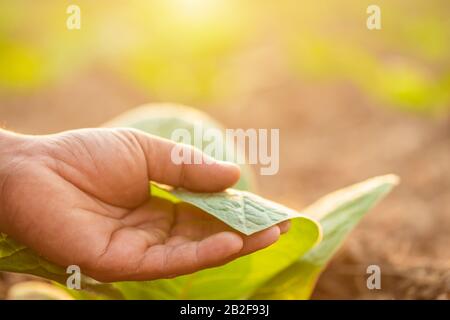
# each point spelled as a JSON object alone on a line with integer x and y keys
{"x": 208, "y": 176}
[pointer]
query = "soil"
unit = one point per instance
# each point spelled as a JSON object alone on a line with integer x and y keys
{"x": 331, "y": 135}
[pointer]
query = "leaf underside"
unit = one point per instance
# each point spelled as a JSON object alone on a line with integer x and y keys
{"x": 243, "y": 211}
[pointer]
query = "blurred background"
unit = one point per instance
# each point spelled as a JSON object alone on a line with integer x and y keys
{"x": 350, "y": 103}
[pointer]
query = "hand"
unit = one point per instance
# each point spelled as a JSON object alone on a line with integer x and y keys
{"x": 82, "y": 197}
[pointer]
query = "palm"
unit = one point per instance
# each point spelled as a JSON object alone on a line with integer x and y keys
{"x": 90, "y": 204}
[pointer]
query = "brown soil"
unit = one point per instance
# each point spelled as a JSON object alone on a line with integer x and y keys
{"x": 331, "y": 135}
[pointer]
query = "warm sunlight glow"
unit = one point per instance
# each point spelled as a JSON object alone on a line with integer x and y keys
{"x": 198, "y": 11}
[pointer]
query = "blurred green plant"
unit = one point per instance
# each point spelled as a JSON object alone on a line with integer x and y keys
{"x": 183, "y": 50}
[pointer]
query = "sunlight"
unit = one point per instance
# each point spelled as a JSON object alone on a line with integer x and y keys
{"x": 198, "y": 11}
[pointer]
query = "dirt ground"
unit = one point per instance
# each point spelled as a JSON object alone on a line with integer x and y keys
{"x": 331, "y": 135}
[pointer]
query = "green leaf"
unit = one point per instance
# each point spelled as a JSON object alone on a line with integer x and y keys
{"x": 240, "y": 278}
{"x": 37, "y": 290}
{"x": 241, "y": 210}
{"x": 338, "y": 212}
{"x": 15, "y": 257}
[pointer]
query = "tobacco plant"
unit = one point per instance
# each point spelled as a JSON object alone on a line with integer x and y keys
{"x": 288, "y": 269}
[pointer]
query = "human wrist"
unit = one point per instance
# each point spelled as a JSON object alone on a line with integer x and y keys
{"x": 11, "y": 145}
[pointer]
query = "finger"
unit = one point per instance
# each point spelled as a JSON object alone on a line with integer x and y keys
{"x": 127, "y": 260}
{"x": 164, "y": 166}
{"x": 257, "y": 241}
{"x": 190, "y": 257}
{"x": 284, "y": 226}
{"x": 260, "y": 240}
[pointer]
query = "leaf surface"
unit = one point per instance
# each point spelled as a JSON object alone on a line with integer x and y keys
{"x": 338, "y": 213}
{"x": 15, "y": 257}
{"x": 242, "y": 210}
